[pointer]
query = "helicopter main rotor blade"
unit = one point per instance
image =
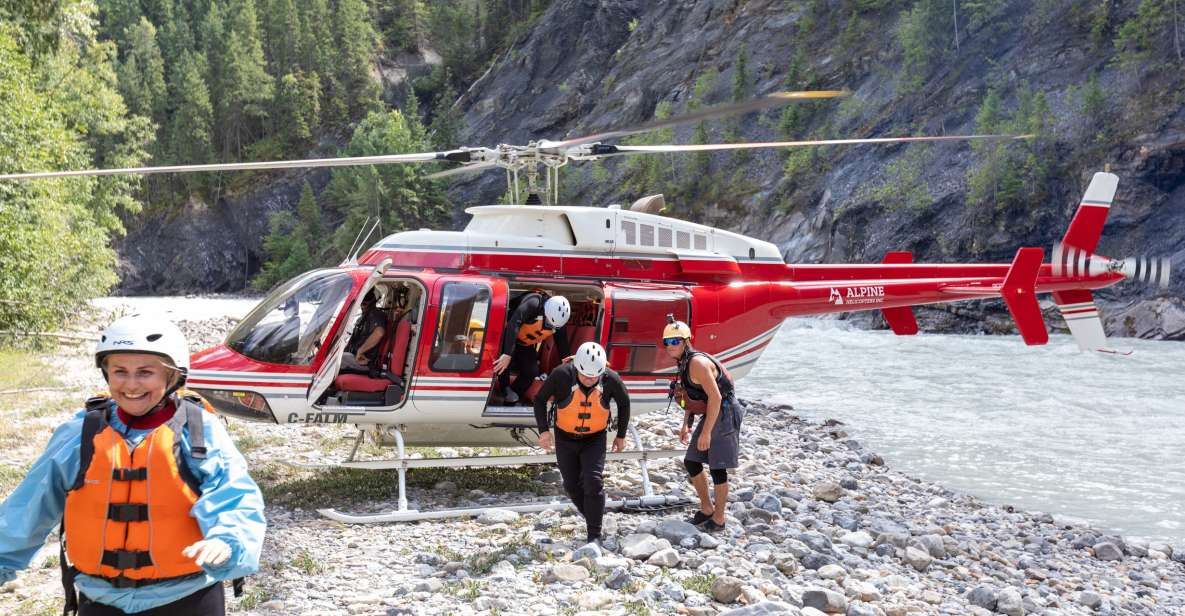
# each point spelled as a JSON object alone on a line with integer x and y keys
{"x": 602, "y": 151}
{"x": 470, "y": 168}
{"x": 460, "y": 156}
{"x": 772, "y": 100}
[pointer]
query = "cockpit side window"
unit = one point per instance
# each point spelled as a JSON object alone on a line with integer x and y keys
{"x": 290, "y": 324}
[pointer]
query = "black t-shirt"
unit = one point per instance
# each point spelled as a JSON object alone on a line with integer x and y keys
{"x": 370, "y": 320}
{"x": 560, "y": 382}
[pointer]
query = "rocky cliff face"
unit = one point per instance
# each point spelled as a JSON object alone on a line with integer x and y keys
{"x": 589, "y": 65}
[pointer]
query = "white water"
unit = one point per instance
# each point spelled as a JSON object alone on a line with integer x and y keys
{"x": 1043, "y": 428}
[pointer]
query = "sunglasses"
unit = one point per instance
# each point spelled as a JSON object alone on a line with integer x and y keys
{"x": 671, "y": 341}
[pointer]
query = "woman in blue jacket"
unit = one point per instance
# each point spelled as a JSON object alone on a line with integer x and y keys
{"x": 154, "y": 499}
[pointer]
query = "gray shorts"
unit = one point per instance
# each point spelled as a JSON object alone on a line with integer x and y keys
{"x": 726, "y": 438}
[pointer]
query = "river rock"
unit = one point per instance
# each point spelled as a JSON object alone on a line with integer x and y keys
{"x": 665, "y": 558}
{"x": 639, "y": 546}
{"x": 764, "y": 607}
{"x": 497, "y": 516}
{"x": 824, "y": 600}
{"x": 917, "y": 559}
{"x": 983, "y": 596}
{"x": 726, "y": 589}
{"x": 1107, "y": 551}
{"x": 568, "y": 572}
{"x": 828, "y": 491}
{"x": 618, "y": 578}
{"x": 676, "y": 531}
{"x": 1010, "y": 603}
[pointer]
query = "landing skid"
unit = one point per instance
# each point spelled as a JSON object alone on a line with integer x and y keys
{"x": 647, "y": 502}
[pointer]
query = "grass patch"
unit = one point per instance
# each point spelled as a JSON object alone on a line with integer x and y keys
{"x": 636, "y": 608}
{"x": 467, "y": 589}
{"x": 21, "y": 370}
{"x": 701, "y": 583}
{"x": 11, "y": 475}
{"x": 481, "y": 564}
{"x": 253, "y": 598}
{"x": 306, "y": 563}
{"x": 38, "y": 607}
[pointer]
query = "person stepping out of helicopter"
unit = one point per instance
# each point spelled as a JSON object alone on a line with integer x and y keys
{"x": 155, "y": 502}
{"x": 582, "y": 391}
{"x": 705, "y": 388}
{"x": 536, "y": 317}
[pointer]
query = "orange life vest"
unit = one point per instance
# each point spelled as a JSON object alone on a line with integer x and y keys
{"x": 127, "y": 515}
{"x": 530, "y": 334}
{"x": 583, "y": 414}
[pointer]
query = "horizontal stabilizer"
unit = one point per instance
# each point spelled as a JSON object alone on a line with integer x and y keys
{"x": 1020, "y": 295}
{"x": 901, "y": 320}
{"x": 1082, "y": 317}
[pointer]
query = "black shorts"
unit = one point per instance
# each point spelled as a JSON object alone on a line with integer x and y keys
{"x": 725, "y": 449}
{"x": 209, "y": 601}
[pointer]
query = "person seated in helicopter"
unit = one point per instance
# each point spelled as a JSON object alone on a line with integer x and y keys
{"x": 477, "y": 333}
{"x": 367, "y": 334}
{"x": 537, "y": 316}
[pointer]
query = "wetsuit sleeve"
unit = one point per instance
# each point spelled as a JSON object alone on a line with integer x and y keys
{"x": 528, "y": 309}
{"x": 562, "y": 344}
{"x": 230, "y": 507}
{"x": 615, "y": 387}
{"x": 552, "y": 387}
{"x": 36, "y": 506}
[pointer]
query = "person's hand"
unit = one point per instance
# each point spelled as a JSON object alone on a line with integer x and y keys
{"x": 211, "y": 552}
{"x": 360, "y": 358}
{"x": 705, "y": 441}
{"x": 547, "y": 441}
{"x": 684, "y": 434}
{"x": 618, "y": 444}
{"x": 501, "y": 363}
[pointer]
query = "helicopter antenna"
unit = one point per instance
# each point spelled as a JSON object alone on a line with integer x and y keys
{"x": 356, "y": 237}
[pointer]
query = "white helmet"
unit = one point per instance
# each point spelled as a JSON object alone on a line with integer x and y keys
{"x": 140, "y": 333}
{"x": 557, "y": 310}
{"x": 590, "y": 360}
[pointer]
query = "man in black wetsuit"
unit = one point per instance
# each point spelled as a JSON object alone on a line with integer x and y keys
{"x": 716, "y": 440}
{"x": 536, "y": 317}
{"x": 582, "y": 391}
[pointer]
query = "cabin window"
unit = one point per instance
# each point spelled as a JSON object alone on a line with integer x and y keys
{"x": 290, "y": 324}
{"x": 630, "y": 231}
{"x": 647, "y": 238}
{"x": 682, "y": 240}
{"x": 664, "y": 237}
{"x": 701, "y": 241}
{"x": 464, "y": 310}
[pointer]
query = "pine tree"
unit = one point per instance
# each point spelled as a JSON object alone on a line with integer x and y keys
{"x": 445, "y": 119}
{"x": 312, "y": 227}
{"x": 246, "y": 86}
{"x": 141, "y": 74}
{"x": 298, "y": 109}
{"x": 355, "y": 46}
{"x": 283, "y": 43}
{"x": 398, "y": 195}
{"x": 190, "y": 125}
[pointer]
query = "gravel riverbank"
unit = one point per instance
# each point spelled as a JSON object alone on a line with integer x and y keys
{"x": 818, "y": 524}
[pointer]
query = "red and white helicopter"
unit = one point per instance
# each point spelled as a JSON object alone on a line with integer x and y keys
{"x": 623, "y": 270}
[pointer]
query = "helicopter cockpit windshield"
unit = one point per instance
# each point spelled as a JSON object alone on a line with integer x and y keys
{"x": 289, "y": 325}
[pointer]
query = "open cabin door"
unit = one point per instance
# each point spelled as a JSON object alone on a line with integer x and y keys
{"x": 637, "y": 317}
{"x": 331, "y": 365}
